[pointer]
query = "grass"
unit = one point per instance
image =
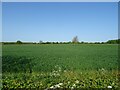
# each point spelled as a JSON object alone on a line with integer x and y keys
{"x": 43, "y": 66}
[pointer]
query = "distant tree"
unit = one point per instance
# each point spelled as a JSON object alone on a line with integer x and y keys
{"x": 82, "y": 42}
{"x": 85, "y": 42}
{"x": 69, "y": 42}
{"x": 19, "y": 42}
{"x": 75, "y": 40}
{"x": 118, "y": 41}
{"x": 40, "y": 42}
{"x": 113, "y": 41}
{"x": 60, "y": 42}
{"x": 48, "y": 42}
{"x": 34, "y": 42}
{"x": 102, "y": 42}
{"x": 97, "y": 43}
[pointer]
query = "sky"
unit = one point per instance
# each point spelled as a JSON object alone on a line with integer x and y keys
{"x": 60, "y": 21}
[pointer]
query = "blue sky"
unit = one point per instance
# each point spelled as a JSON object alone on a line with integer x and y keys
{"x": 60, "y": 21}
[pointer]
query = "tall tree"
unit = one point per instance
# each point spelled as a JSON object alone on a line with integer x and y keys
{"x": 75, "y": 40}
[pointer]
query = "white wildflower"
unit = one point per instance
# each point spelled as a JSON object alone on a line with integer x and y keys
{"x": 68, "y": 82}
{"x": 103, "y": 69}
{"x": 109, "y": 86}
{"x": 74, "y": 85}
{"x": 57, "y": 86}
{"x": 59, "y": 70}
{"x": 60, "y": 83}
{"x": 65, "y": 71}
{"x": 76, "y": 81}
{"x": 52, "y": 87}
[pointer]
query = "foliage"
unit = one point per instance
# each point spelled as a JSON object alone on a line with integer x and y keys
{"x": 47, "y": 66}
{"x": 67, "y": 79}
{"x": 16, "y": 64}
{"x": 113, "y": 41}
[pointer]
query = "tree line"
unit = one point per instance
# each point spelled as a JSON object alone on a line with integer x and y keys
{"x": 82, "y": 42}
{"x": 74, "y": 41}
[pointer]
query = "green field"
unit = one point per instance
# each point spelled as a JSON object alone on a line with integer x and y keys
{"x": 73, "y": 65}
